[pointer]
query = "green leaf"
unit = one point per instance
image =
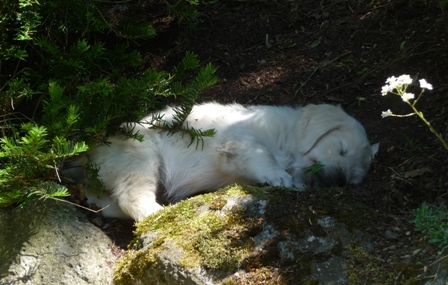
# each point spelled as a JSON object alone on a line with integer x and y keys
{"x": 315, "y": 168}
{"x": 315, "y": 43}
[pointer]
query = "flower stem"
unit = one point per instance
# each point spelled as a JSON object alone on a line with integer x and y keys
{"x": 434, "y": 131}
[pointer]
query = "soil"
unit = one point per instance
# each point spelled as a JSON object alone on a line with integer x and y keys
{"x": 280, "y": 52}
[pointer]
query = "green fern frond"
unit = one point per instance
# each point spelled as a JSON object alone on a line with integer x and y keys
{"x": 72, "y": 115}
{"x": 34, "y": 140}
{"x": 8, "y": 198}
{"x": 61, "y": 148}
{"x": 10, "y": 147}
{"x": 4, "y": 175}
{"x": 133, "y": 30}
{"x": 189, "y": 62}
{"x": 48, "y": 190}
{"x": 88, "y": 88}
{"x": 47, "y": 45}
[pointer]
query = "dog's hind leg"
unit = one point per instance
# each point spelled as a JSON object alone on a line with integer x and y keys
{"x": 252, "y": 162}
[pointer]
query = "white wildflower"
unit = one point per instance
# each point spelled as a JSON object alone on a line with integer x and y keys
{"x": 387, "y": 113}
{"x": 407, "y": 96}
{"x": 404, "y": 80}
{"x": 396, "y": 83}
{"x": 386, "y": 89}
{"x": 391, "y": 80}
{"x": 425, "y": 85}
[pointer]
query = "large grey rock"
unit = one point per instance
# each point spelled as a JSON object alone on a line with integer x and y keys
{"x": 49, "y": 242}
{"x": 242, "y": 236}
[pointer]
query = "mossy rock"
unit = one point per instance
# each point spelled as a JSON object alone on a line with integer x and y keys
{"x": 250, "y": 235}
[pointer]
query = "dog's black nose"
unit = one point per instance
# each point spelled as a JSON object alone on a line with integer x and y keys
{"x": 334, "y": 177}
{"x": 340, "y": 180}
{"x": 331, "y": 177}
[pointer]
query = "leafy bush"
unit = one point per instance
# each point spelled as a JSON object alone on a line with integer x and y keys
{"x": 69, "y": 77}
{"x": 434, "y": 222}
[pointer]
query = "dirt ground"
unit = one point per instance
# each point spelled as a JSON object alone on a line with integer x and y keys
{"x": 294, "y": 52}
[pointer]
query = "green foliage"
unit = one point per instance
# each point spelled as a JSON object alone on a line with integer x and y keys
{"x": 315, "y": 168}
{"x": 412, "y": 146}
{"x": 432, "y": 221}
{"x": 65, "y": 85}
{"x": 189, "y": 94}
{"x": 442, "y": 3}
{"x": 23, "y": 161}
{"x": 42, "y": 190}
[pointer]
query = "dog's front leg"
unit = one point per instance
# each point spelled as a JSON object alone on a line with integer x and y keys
{"x": 254, "y": 162}
{"x": 130, "y": 173}
{"x": 137, "y": 197}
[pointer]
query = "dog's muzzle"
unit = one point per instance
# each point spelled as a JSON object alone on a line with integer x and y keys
{"x": 326, "y": 177}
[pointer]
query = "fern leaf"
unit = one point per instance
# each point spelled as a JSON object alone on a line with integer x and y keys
{"x": 61, "y": 147}
{"x": 46, "y": 190}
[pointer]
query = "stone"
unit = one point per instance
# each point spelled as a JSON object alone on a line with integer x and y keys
{"x": 240, "y": 235}
{"x": 51, "y": 242}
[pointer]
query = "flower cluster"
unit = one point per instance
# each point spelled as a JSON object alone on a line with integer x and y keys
{"x": 387, "y": 113}
{"x": 398, "y": 86}
{"x": 393, "y": 83}
{"x": 425, "y": 85}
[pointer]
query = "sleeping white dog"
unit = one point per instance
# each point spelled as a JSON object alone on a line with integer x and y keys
{"x": 252, "y": 145}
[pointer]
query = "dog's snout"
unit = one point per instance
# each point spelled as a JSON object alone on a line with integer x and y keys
{"x": 340, "y": 179}
{"x": 327, "y": 178}
{"x": 333, "y": 177}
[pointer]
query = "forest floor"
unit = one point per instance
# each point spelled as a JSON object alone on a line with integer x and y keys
{"x": 281, "y": 52}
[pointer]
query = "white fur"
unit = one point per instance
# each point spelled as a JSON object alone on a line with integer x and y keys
{"x": 253, "y": 145}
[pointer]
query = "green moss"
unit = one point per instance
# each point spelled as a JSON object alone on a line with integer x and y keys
{"x": 364, "y": 268}
{"x": 134, "y": 263}
{"x": 208, "y": 237}
{"x": 212, "y": 238}
{"x": 215, "y": 241}
{"x": 217, "y": 204}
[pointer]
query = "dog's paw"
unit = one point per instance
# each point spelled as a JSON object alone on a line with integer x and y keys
{"x": 140, "y": 208}
{"x": 278, "y": 178}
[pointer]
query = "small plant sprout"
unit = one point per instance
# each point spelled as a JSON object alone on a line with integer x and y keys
{"x": 315, "y": 168}
{"x": 398, "y": 86}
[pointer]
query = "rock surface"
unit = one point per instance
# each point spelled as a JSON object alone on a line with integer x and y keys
{"x": 49, "y": 242}
{"x": 241, "y": 236}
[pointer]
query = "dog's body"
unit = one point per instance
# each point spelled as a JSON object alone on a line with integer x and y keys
{"x": 252, "y": 145}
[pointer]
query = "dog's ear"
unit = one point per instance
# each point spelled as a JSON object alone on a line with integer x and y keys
{"x": 315, "y": 122}
{"x": 374, "y": 149}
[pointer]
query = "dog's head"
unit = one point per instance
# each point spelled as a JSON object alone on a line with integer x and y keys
{"x": 336, "y": 142}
